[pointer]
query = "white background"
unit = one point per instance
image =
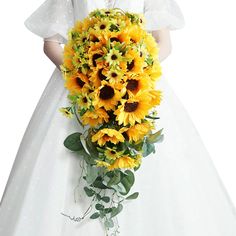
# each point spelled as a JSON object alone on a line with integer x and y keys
{"x": 201, "y": 70}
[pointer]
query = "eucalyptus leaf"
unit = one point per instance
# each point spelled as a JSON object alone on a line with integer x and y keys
{"x": 105, "y": 199}
{"x": 99, "y": 206}
{"x": 99, "y": 184}
{"x": 95, "y": 215}
{"x": 147, "y": 148}
{"x": 114, "y": 180}
{"x": 127, "y": 181}
{"x": 92, "y": 174}
{"x": 89, "y": 191}
{"x": 109, "y": 223}
{"x": 73, "y": 143}
{"x": 156, "y": 137}
{"x": 116, "y": 210}
{"x": 133, "y": 196}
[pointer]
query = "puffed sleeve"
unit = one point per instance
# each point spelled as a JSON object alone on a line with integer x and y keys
{"x": 52, "y": 20}
{"x": 163, "y": 14}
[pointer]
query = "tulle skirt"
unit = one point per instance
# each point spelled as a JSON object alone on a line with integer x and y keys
{"x": 180, "y": 190}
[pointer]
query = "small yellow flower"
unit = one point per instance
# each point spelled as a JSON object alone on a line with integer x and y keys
{"x": 112, "y": 154}
{"x": 107, "y": 135}
{"x": 66, "y": 112}
{"x": 101, "y": 163}
{"x": 114, "y": 57}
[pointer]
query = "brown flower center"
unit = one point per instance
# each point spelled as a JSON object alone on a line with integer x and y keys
{"x": 114, "y": 57}
{"x": 113, "y": 74}
{"x": 130, "y": 65}
{"x": 84, "y": 39}
{"x": 79, "y": 82}
{"x": 112, "y": 39}
{"x": 101, "y": 76}
{"x": 131, "y": 106}
{"x": 85, "y": 100}
{"x": 102, "y": 26}
{"x": 132, "y": 84}
{"x": 94, "y": 39}
{"x": 113, "y": 152}
{"x": 106, "y": 93}
{"x": 95, "y": 57}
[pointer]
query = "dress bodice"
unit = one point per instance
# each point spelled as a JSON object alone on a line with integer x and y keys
{"x": 56, "y": 17}
{"x": 83, "y": 7}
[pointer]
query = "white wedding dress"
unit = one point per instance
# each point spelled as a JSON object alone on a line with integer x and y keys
{"x": 180, "y": 191}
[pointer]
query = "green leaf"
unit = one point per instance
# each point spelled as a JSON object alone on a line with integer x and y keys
{"x": 156, "y": 137}
{"x": 73, "y": 143}
{"x": 89, "y": 191}
{"x": 99, "y": 197}
{"x": 99, "y": 206}
{"x": 95, "y": 215}
{"x": 98, "y": 184}
{"x": 108, "y": 210}
{"x": 114, "y": 180}
{"x": 105, "y": 199}
{"x": 148, "y": 148}
{"x": 133, "y": 196}
{"x": 116, "y": 210}
{"x": 89, "y": 160}
{"x": 127, "y": 181}
{"x": 109, "y": 223}
{"x": 92, "y": 174}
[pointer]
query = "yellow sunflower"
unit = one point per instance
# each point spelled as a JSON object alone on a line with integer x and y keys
{"x": 154, "y": 71}
{"x": 67, "y": 56}
{"x": 123, "y": 163}
{"x": 138, "y": 131}
{"x": 97, "y": 75}
{"x": 135, "y": 33}
{"x": 134, "y": 109}
{"x": 151, "y": 45}
{"x": 94, "y": 118}
{"x": 156, "y": 97}
{"x": 107, "y": 135}
{"x": 95, "y": 58}
{"x": 136, "y": 63}
{"x": 106, "y": 96}
{"x": 76, "y": 83}
{"x": 138, "y": 83}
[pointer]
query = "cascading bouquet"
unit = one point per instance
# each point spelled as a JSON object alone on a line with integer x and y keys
{"x": 110, "y": 68}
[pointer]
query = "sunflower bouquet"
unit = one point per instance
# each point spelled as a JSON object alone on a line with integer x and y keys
{"x": 110, "y": 67}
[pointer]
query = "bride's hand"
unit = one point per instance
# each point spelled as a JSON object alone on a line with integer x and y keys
{"x": 54, "y": 52}
{"x": 163, "y": 39}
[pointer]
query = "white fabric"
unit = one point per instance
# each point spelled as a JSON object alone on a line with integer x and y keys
{"x": 163, "y": 14}
{"x": 181, "y": 193}
{"x": 54, "y": 17}
{"x": 50, "y": 18}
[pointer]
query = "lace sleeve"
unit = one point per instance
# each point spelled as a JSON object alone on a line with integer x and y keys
{"x": 163, "y": 14}
{"x": 52, "y": 20}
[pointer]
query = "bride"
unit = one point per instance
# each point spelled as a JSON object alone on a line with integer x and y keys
{"x": 181, "y": 192}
